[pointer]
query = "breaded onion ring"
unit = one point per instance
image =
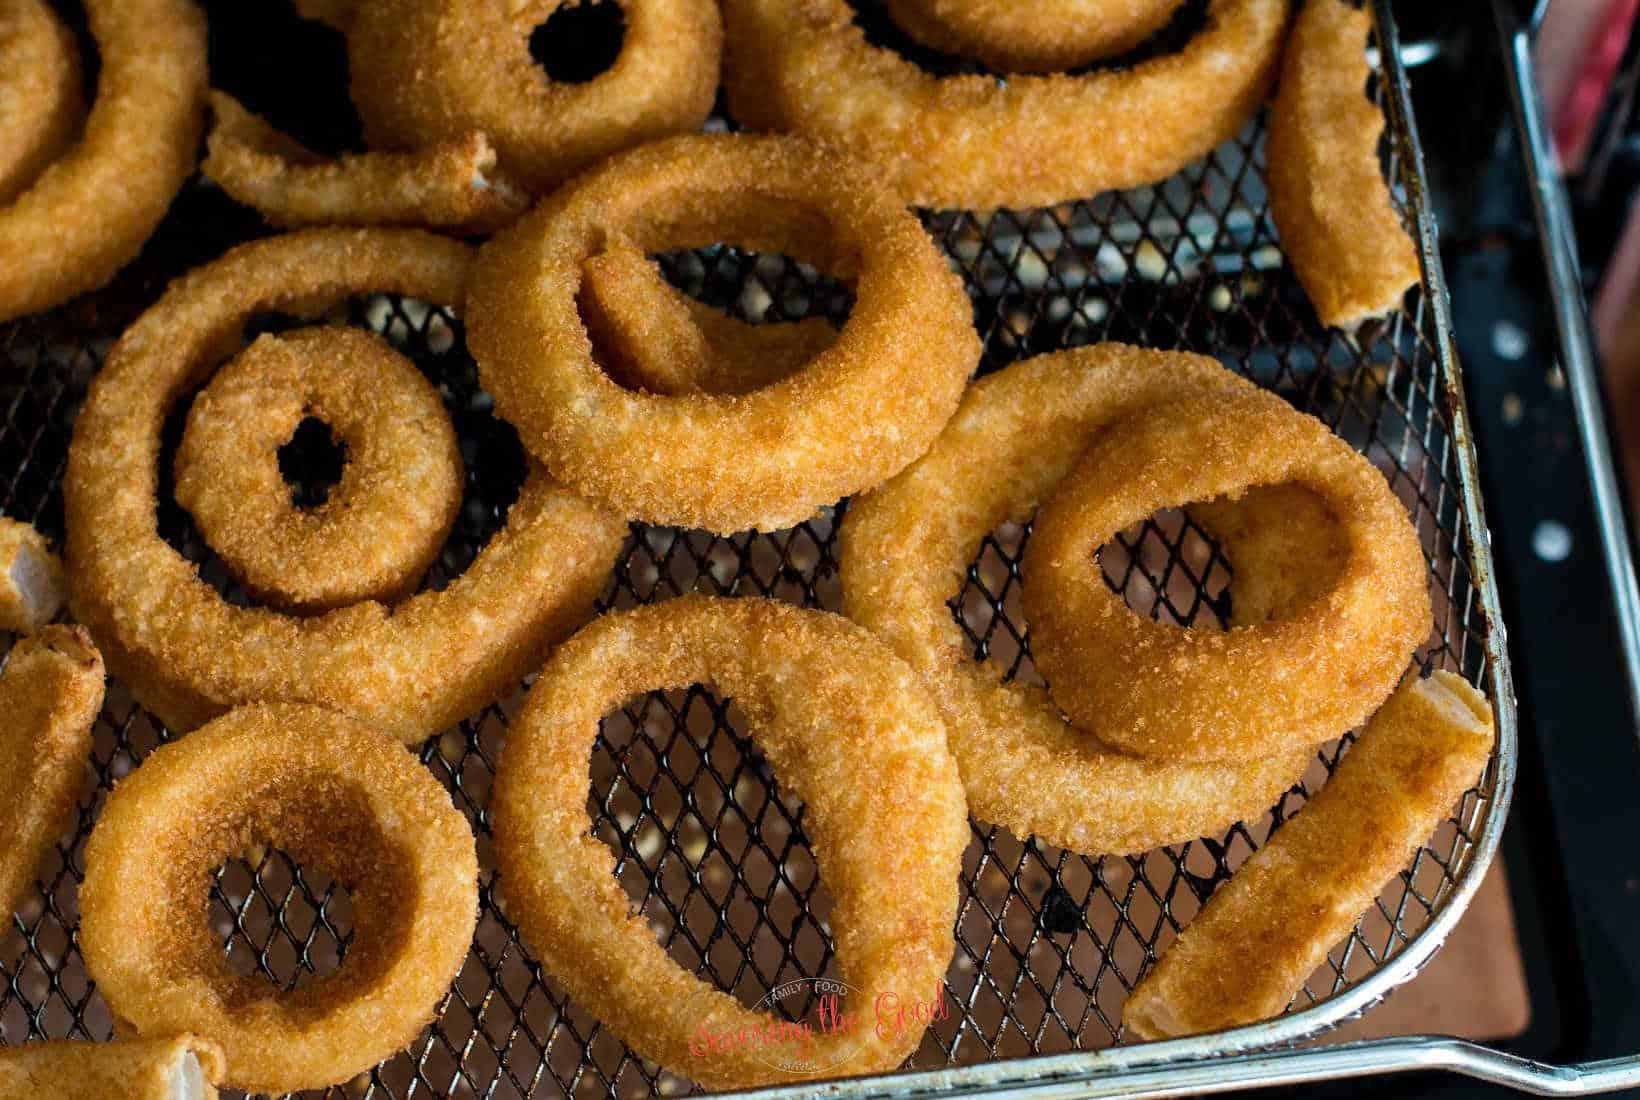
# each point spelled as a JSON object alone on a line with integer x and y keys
{"x": 50, "y": 693}
{"x": 650, "y": 336}
{"x": 1042, "y": 37}
{"x": 1327, "y": 192}
{"x": 186, "y": 653}
{"x": 32, "y": 588}
{"x": 1284, "y": 545}
{"x": 1267, "y": 929}
{"x": 844, "y": 723}
{"x": 90, "y": 211}
{"x": 449, "y": 184}
{"x": 381, "y": 526}
{"x": 334, "y": 794}
{"x": 972, "y": 141}
{"x": 905, "y": 548}
{"x": 1289, "y": 683}
{"x": 426, "y": 71}
{"x": 857, "y": 413}
{"x": 182, "y": 1067}
{"x": 41, "y": 102}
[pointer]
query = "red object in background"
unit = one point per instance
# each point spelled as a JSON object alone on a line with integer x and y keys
{"x": 1579, "y": 52}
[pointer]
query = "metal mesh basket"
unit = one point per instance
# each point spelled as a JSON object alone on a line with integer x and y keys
{"x": 1048, "y": 943}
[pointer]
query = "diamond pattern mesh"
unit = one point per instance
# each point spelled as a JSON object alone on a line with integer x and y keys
{"x": 713, "y": 854}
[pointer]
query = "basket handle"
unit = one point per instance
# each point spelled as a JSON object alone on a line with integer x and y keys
{"x": 1577, "y": 355}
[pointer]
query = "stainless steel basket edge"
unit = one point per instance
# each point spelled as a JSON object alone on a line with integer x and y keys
{"x": 1226, "y": 1060}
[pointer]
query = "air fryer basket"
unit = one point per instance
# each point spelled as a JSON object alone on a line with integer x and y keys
{"x": 1047, "y": 942}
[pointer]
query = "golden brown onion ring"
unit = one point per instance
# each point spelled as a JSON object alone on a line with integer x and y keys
{"x": 50, "y": 693}
{"x": 1327, "y": 192}
{"x": 857, "y": 413}
{"x": 1267, "y": 929}
{"x": 183, "y": 1067}
{"x": 90, "y": 211}
{"x": 805, "y": 66}
{"x": 449, "y": 184}
{"x": 905, "y": 549}
{"x": 32, "y": 587}
{"x": 1284, "y": 545}
{"x": 830, "y": 706}
{"x": 1289, "y": 683}
{"x": 650, "y": 336}
{"x": 426, "y": 71}
{"x": 333, "y": 794}
{"x": 41, "y": 101}
{"x": 1042, "y": 37}
{"x": 186, "y": 653}
{"x": 381, "y": 526}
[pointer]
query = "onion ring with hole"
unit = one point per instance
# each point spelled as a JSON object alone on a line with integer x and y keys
{"x": 41, "y": 100}
{"x": 830, "y": 705}
{"x": 972, "y": 141}
{"x": 1045, "y": 37}
{"x": 449, "y": 184}
{"x": 1328, "y": 198}
{"x": 334, "y": 794}
{"x": 183, "y": 1067}
{"x": 426, "y": 71}
{"x": 905, "y": 549}
{"x": 89, "y": 212}
{"x": 32, "y": 586}
{"x": 187, "y": 654}
{"x": 1285, "y": 684}
{"x": 382, "y": 525}
{"x": 854, "y": 415}
{"x": 653, "y": 337}
{"x": 1266, "y": 930}
{"x": 51, "y": 691}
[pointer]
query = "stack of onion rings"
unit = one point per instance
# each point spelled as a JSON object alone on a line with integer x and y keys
{"x": 426, "y": 71}
{"x": 971, "y": 141}
{"x": 905, "y": 549}
{"x": 90, "y": 211}
{"x": 1290, "y": 683}
{"x": 651, "y": 336}
{"x": 830, "y": 707}
{"x": 1327, "y": 192}
{"x": 449, "y": 184}
{"x": 382, "y": 525}
{"x": 50, "y": 693}
{"x": 41, "y": 102}
{"x": 186, "y": 653}
{"x": 1044, "y": 37}
{"x": 857, "y": 413}
{"x": 1266, "y": 930}
{"x": 334, "y": 794}
{"x": 183, "y": 1067}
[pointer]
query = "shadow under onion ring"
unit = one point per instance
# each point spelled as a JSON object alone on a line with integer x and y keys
{"x": 334, "y": 794}
{"x": 845, "y": 725}
{"x": 186, "y": 653}
{"x": 905, "y": 550}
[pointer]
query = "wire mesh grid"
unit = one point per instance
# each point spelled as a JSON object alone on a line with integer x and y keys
{"x": 1048, "y": 942}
